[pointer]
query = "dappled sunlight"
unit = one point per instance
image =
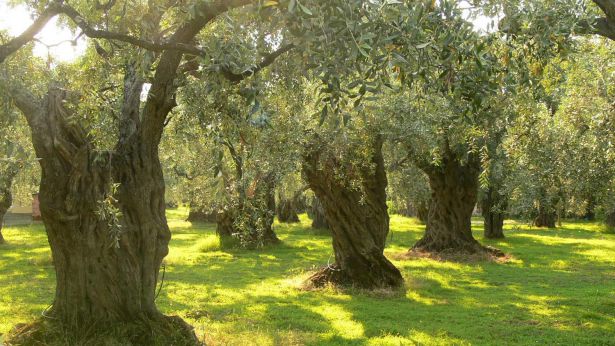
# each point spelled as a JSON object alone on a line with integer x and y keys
{"x": 341, "y": 320}
{"x": 561, "y": 281}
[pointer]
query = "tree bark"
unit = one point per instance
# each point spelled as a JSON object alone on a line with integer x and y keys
{"x": 286, "y": 211}
{"x": 250, "y": 220}
{"x": 357, "y": 218}
{"x": 6, "y": 196}
{"x": 545, "y": 217}
{"x": 493, "y": 205}
{"x": 454, "y": 189}
{"x": 104, "y": 213}
{"x": 317, "y": 213}
{"x": 422, "y": 211}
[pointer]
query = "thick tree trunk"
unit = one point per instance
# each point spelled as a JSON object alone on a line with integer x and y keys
{"x": 422, "y": 211}
{"x": 286, "y": 211}
{"x": 317, "y": 213}
{"x": 104, "y": 213}
{"x": 358, "y": 220}
{"x": 493, "y": 206}
{"x": 454, "y": 189}
{"x": 545, "y": 217}
{"x": 251, "y": 220}
{"x": 224, "y": 223}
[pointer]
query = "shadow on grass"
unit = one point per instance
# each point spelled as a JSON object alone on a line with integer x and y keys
{"x": 558, "y": 290}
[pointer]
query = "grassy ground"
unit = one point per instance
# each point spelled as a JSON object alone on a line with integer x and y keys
{"x": 558, "y": 289}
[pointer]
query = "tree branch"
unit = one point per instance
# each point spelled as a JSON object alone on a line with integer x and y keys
{"x": 607, "y": 6}
{"x": 15, "y": 44}
{"x": 267, "y": 60}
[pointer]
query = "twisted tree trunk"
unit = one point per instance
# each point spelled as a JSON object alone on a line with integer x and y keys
{"x": 454, "y": 188}
{"x": 317, "y": 213}
{"x": 493, "y": 205}
{"x": 358, "y": 220}
{"x": 104, "y": 213}
{"x": 287, "y": 211}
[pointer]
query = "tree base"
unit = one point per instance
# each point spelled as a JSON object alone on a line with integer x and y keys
{"x": 455, "y": 248}
{"x": 333, "y": 275}
{"x": 168, "y": 330}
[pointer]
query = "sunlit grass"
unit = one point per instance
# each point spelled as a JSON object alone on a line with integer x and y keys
{"x": 559, "y": 288}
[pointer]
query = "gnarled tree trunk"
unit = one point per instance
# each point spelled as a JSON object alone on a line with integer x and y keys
{"x": 358, "y": 220}
{"x": 454, "y": 189}
{"x": 317, "y": 213}
{"x": 104, "y": 213}
{"x": 286, "y": 210}
{"x": 493, "y": 205}
{"x": 251, "y": 219}
{"x": 546, "y": 217}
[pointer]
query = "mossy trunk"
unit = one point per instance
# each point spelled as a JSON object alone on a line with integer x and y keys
{"x": 357, "y": 218}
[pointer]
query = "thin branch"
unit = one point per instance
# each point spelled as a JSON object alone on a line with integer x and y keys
{"x": 267, "y": 60}
{"x": 15, "y": 44}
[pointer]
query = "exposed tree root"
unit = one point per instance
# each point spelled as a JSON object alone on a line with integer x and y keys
{"x": 167, "y": 330}
{"x": 333, "y": 275}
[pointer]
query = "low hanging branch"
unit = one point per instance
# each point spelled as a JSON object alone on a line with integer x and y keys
{"x": 59, "y": 7}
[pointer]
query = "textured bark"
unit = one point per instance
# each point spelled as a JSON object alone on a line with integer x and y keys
{"x": 99, "y": 279}
{"x": 358, "y": 220}
{"x": 454, "y": 189}
{"x": 317, "y": 213}
{"x": 106, "y": 271}
{"x": 493, "y": 205}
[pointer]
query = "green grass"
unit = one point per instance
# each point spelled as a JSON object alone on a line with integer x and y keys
{"x": 558, "y": 289}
